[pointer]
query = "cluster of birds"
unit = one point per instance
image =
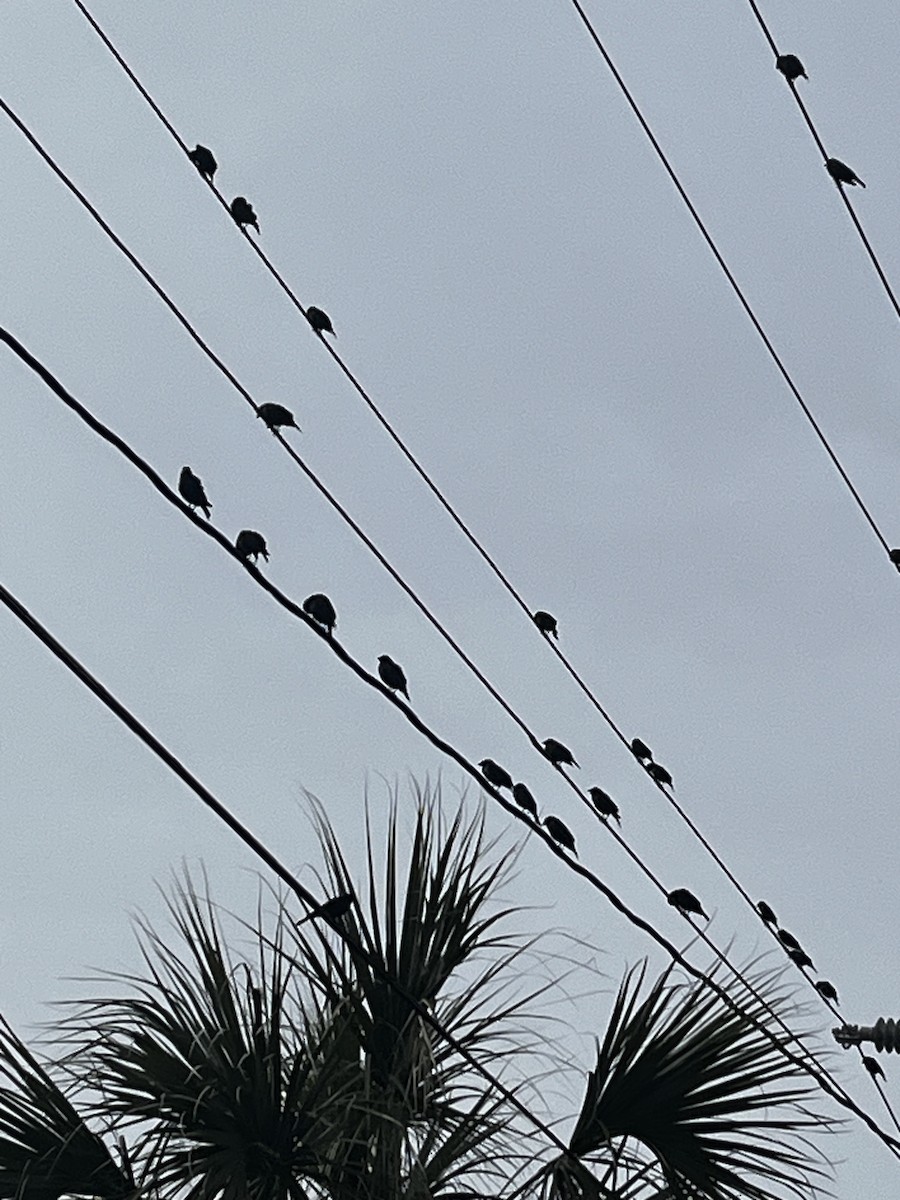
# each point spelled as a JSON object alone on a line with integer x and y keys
{"x": 798, "y": 955}
{"x": 252, "y": 545}
{"x": 791, "y": 68}
{"x": 244, "y": 216}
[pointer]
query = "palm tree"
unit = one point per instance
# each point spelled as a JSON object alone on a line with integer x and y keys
{"x": 297, "y": 1070}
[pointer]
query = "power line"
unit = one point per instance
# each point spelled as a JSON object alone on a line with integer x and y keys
{"x": 806, "y": 1063}
{"x": 495, "y": 694}
{"x": 863, "y": 237}
{"x": 260, "y": 850}
{"x": 473, "y": 540}
{"x": 461, "y": 525}
{"x": 357, "y": 529}
{"x": 726, "y": 270}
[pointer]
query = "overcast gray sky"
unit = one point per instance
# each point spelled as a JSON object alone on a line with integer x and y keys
{"x": 512, "y": 275}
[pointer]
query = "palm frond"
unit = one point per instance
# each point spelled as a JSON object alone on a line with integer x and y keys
{"x": 722, "y": 1113}
{"x": 47, "y": 1149}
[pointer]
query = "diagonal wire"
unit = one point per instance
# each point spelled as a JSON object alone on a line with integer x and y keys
{"x": 357, "y": 529}
{"x": 867, "y": 245}
{"x": 807, "y": 1063}
{"x": 224, "y": 814}
{"x": 735, "y": 286}
{"x": 260, "y": 849}
{"x": 458, "y": 521}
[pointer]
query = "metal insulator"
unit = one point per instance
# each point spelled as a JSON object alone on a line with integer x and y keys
{"x": 887, "y": 1034}
{"x": 884, "y": 1034}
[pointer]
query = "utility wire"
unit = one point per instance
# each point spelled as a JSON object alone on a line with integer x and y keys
{"x": 445, "y": 504}
{"x": 131, "y": 455}
{"x": 174, "y": 764}
{"x": 807, "y": 1063}
{"x": 735, "y": 286}
{"x": 764, "y": 337}
{"x": 867, "y": 245}
{"x": 439, "y": 495}
{"x": 357, "y": 529}
{"x": 261, "y": 851}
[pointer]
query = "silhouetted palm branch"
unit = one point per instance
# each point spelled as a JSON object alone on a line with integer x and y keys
{"x": 46, "y": 1148}
{"x": 702, "y": 1092}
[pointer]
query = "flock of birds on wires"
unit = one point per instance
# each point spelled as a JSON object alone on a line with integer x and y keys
{"x": 250, "y": 544}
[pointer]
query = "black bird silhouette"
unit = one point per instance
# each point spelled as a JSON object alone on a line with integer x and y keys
{"x": 320, "y": 320}
{"x": 392, "y": 676}
{"x": 827, "y": 990}
{"x": 495, "y": 774}
{"x": 841, "y": 173}
{"x": 686, "y": 902}
{"x": 242, "y": 211}
{"x": 604, "y": 803}
{"x": 546, "y": 623}
{"x": 658, "y": 772}
{"x": 558, "y": 754}
{"x": 788, "y": 939}
{"x": 276, "y": 415}
{"x": 204, "y": 160}
{"x": 873, "y": 1066}
{"x": 250, "y": 544}
{"x": 320, "y": 608}
{"x": 641, "y": 750}
{"x": 524, "y": 799}
{"x": 801, "y": 958}
{"x": 191, "y": 490}
{"x": 894, "y": 556}
{"x": 331, "y": 910}
{"x": 790, "y": 66}
{"x": 560, "y": 833}
{"x": 766, "y": 913}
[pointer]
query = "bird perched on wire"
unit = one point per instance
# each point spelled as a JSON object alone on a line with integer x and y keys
{"x": 560, "y": 833}
{"x": 841, "y": 173}
{"x": 686, "y": 903}
{"x": 790, "y": 66}
{"x": 604, "y": 803}
{"x": 641, "y": 751}
{"x": 546, "y": 623}
{"x": 524, "y": 799}
{"x": 320, "y": 608}
{"x": 826, "y": 990}
{"x": 331, "y": 910}
{"x": 191, "y": 490}
{"x": 204, "y": 160}
{"x": 801, "y": 958}
{"x": 894, "y": 556}
{"x": 787, "y": 939}
{"x": 242, "y": 211}
{"x": 391, "y": 675}
{"x": 276, "y": 416}
{"x": 766, "y": 913}
{"x": 558, "y": 754}
{"x": 873, "y": 1066}
{"x": 250, "y": 544}
{"x": 495, "y": 774}
{"x": 320, "y": 320}
{"x": 658, "y": 772}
